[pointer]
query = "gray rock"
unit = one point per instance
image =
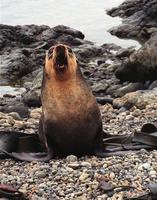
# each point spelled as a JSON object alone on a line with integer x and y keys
{"x": 22, "y": 48}
{"x": 139, "y": 17}
{"x": 141, "y": 65}
{"x": 13, "y": 105}
{"x": 15, "y": 115}
{"x": 71, "y": 158}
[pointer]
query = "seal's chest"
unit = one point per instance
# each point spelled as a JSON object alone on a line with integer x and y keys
{"x": 70, "y": 104}
{"x": 70, "y": 101}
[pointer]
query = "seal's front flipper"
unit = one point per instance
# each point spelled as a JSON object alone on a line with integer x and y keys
{"x": 8, "y": 192}
{"x": 23, "y": 156}
{"x": 21, "y": 146}
{"x": 104, "y": 154}
{"x": 117, "y": 145}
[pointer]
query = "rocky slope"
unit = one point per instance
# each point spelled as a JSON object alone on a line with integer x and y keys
{"x": 140, "y": 23}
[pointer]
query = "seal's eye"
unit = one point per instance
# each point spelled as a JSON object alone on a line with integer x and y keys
{"x": 70, "y": 50}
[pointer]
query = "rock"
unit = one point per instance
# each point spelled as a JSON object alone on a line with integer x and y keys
{"x": 20, "y": 125}
{"x": 140, "y": 99}
{"x": 141, "y": 65}
{"x": 85, "y": 164}
{"x": 144, "y": 166}
{"x": 32, "y": 97}
{"x": 100, "y": 87}
{"x": 15, "y": 115}
{"x": 41, "y": 174}
{"x": 136, "y": 113}
{"x": 71, "y": 158}
{"x": 139, "y": 23}
{"x": 102, "y": 197}
{"x": 74, "y": 165}
{"x": 130, "y": 87}
{"x": 104, "y": 100}
{"x": 112, "y": 175}
{"x": 125, "y": 52}
{"x": 153, "y": 173}
{"x": 36, "y": 113}
{"x": 15, "y": 64}
{"x": 83, "y": 176}
{"x": 69, "y": 31}
{"x": 22, "y": 48}
{"x": 14, "y": 106}
{"x": 86, "y": 52}
{"x": 138, "y": 19}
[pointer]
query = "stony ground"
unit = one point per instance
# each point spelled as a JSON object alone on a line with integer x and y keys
{"x": 79, "y": 178}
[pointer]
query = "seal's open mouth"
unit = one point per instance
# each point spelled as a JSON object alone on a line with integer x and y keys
{"x": 61, "y": 61}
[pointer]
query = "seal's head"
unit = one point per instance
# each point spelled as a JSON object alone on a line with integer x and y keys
{"x": 60, "y": 61}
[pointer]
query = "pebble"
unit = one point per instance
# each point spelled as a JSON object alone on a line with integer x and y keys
{"x": 74, "y": 165}
{"x": 112, "y": 175}
{"x": 153, "y": 173}
{"x": 41, "y": 174}
{"x": 85, "y": 164}
{"x": 83, "y": 176}
{"x": 71, "y": 158}
{"x": 15, "y": 116}
{"x": 144, "y": 166}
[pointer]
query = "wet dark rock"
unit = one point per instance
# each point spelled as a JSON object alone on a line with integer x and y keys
{"x": 86, "y": 52}
{"x": 22, "y": 48}
{"x": 32, "y": 98}
{"x": 104, "y": 100}
{"x": 10, "y": 105}
{"x": 69, "y": 31}
{"x": 140, "y": 99}
{"x": 139, "y": 17}
{"x": 141, "y": 65}
{"x": 125, "y": 52}
{"x": 66, "y": 39}
{"x": 130, "y": 87}
{"x": 139, "y": 22}
{"x": 112, "y": 90}
{"x": 119, "y": 90}
{"x": 15, "y": 64}
{"x": 32, "y": 95}
{"x": 100, "y": 87}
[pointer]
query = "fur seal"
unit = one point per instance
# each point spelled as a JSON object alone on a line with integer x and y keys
{"x": 71, "y": 121}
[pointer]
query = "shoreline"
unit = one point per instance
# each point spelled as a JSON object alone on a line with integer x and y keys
{"x": 95, "y": 24}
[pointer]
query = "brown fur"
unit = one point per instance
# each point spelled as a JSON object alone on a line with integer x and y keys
{"x": 71, "y": 121}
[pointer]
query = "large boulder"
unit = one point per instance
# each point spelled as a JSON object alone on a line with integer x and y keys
{"x": 140, "y": 23}
{"x": 22, "y": 48}
{"x": 141, "y": 65}
{"x": 140, "y": 99}
{"x": 139, "y": 17}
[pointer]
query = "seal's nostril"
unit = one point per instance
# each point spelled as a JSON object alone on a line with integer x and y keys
{"x": 60, "y": 48}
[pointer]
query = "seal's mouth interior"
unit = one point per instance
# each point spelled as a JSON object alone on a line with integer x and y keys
{"x": 61, "y": 61}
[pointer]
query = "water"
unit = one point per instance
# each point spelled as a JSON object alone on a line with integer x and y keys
{"x": 11, "y": 90}
{"x": 87, "y": 16}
